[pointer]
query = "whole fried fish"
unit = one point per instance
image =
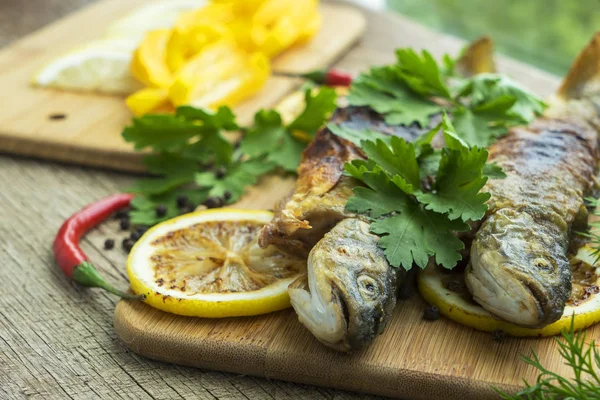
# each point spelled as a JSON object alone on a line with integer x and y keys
{"x": 519, "y": 268}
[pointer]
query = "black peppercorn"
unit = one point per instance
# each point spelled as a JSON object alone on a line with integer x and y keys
{"x": 431, "y": 313}
{"x": 134, "y": 236}
{"x": 161, "y": 210}
{"x": 124, "y": 224}
{"x": 123, "y": 213}
{"x": 141, "y": 229}
{"x": 127, "y": 244}
{"x": 188, "y": 209}
{"x": 109, "y": 244}
{"x": 498, "y": 335}
{"x": 182, "y": 201}
{"x": 227, "y": 195}
{"x": 220, "y": 173}
{"x": 212, "y": 202}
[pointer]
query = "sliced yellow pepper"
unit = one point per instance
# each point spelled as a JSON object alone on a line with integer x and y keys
{"x": 271, "y": 11}
{"x": 147, "y": 100}
{"x": 218, "y": 54}
{"x": 246, "y": 83}
{"x": 215, "y": 63}
{"x": 249, "y": 35}
{"x": 183, "y": 44}
{"x": 148, "y": 62}
{"x": 311, "y": 28}
{"x": 290, "y": 27}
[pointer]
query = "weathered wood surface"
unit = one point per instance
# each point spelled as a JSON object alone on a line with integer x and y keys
{"x": 57, "y": 340}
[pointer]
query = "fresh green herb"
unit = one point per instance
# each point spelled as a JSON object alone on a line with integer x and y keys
{"x": 417, "y": 222}
{"x": 583, "y": 359}
{"x": 594, "y": 228}
{"x": 386, "y": 91}
{"x": 189, "y": 152}
{"x": 483, "y": 88}
{"x": 414, "y": 88}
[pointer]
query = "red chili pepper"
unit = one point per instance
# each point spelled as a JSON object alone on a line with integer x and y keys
{"x": 329, "y": 77}
{"x": 71, "y": 259}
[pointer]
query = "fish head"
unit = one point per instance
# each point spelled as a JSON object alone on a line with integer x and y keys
{"x": 349, "y": 290}
{"x": 518, "y": 269}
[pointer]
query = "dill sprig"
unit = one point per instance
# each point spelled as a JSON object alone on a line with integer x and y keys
{"x": 593, "y": 233}
{"x": 584, "y": 360}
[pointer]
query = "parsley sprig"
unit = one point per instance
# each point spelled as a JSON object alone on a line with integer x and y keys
{"x": 418, "y": 221}
{"x": 191, "y": 156}
{"x": 415, "y": 87}
{"x": 584, "y": 360}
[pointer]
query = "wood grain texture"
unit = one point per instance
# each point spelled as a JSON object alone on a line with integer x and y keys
{"x": 91, "y": 132}
{"x": 57, "y": 339}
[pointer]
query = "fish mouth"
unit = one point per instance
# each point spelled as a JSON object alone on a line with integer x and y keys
{"x": 509, "y": 294}
{"x": 321, "y": 309}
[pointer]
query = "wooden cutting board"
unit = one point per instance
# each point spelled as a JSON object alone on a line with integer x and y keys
{"x": 91, "y": 132}
{"x": 412, "y": 359}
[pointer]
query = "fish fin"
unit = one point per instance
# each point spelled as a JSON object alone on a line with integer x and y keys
{"x": 477, "y": 57}
{"x": 583, "y": 79}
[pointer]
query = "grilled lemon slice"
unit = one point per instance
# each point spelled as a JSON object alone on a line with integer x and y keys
{"x": 208, "y": 264}
{"x": 447, "y": 290}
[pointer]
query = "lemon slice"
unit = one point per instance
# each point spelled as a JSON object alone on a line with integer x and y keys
{"x": 161, "y": 15}
{"x": 447, "y": 290}
{"x": 208, "y": 264}
{"x": 101, "y": 66}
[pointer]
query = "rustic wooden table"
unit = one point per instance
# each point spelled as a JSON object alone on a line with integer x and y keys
{"x": 57, "y": 339}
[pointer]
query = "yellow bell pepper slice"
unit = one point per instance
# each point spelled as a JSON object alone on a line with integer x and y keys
{"x": 246, "y": 83}
{"x": 312, "y": 27}
{"x": 147, "y": 100}
{"x": 242, "y": 7}
{"x": 290, "y": 27}
{"x": 217, "y": 62}
{"x": 148, "y": 62}
{"x": 185, "y": 43}
{"x": 249, "y": 36}
{"x": 271, "y": 11}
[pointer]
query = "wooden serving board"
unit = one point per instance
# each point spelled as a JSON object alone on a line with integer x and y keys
{"x": 91, "y": 132}
{"x": 412, "y": 359}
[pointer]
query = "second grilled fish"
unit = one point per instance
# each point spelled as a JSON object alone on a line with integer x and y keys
{"x": 519, "y": 268}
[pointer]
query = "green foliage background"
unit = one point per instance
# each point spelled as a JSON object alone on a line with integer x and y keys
{"x": 545, "y": 33}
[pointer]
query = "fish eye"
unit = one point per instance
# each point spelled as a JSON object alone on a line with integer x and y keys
{"x": 368, "y": 287}
{"x": 542, "y": 264}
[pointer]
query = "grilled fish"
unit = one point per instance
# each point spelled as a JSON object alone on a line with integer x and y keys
{"x": 350, "y": 290}
{"x": 519, "y": 268}
{"x": 347, "y": 297}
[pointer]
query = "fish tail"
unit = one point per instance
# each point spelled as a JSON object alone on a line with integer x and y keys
{"x": 477, "y": 57}
{"x": 583, "y": 79}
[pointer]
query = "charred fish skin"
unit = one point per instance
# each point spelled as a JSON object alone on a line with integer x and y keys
{"x": 319, "y": 198}
{"x": 519, "y": 269}
{"x": 348, "y": 295}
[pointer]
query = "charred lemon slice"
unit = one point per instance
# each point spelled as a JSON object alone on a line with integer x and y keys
{"x": 208, "y": 264}
{"x": 447, "y": 290}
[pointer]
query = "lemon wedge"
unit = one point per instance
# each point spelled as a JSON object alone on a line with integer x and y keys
{"x": 101, "y": 66}
{"x": 160, "y": 15}
{"x": 447, "y": 290}
{"x": 208, "y": 264}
